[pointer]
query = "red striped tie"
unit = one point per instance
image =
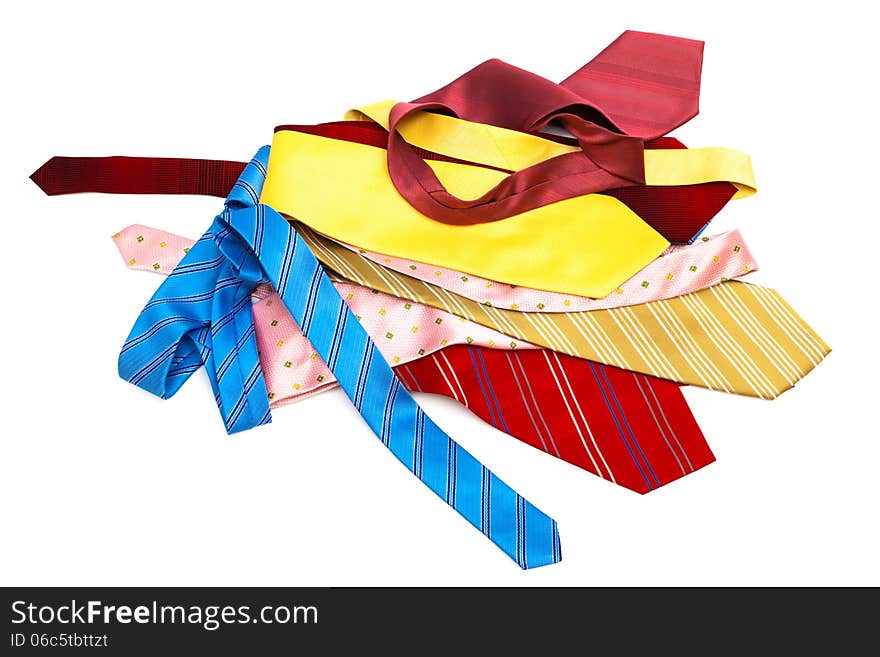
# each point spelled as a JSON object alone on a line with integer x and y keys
{"x": 632, "y": 429}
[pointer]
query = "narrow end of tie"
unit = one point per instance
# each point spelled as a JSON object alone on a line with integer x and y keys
{"x": 36, "y": 176}
{"x": 46, "y": 177}
{"x": 239, "y": 424}
{"x": 537, "y": 538}
{"x": 548, "y": 556}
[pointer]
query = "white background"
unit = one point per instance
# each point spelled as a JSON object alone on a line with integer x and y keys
{"x": 101, "y": 484}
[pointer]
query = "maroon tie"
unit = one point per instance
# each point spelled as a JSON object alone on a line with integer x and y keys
{"x": 137, "y": 175}
{"x": 676, "y": 212}
{"x": 646, "y": 84}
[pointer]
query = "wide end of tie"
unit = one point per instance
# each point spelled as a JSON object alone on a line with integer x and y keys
{"x": 693, "y": 43}
{"x": 659, "y": 71}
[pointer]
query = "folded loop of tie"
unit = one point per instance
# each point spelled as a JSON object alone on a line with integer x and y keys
{"x": 499, "y": 94}
{"x": 607, "y": 160}
{"x": 177, "y": 329}
{"x": 201, "y": 315}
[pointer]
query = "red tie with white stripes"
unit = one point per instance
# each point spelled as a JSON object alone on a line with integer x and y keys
{"x": 632, "y": 429}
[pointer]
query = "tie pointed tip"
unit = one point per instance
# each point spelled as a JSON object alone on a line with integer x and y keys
{"x": 41, "y": 175}
{"x": 549, "y": 559}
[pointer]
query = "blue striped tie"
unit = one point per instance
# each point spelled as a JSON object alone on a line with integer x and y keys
{"x": 201, "y": 315}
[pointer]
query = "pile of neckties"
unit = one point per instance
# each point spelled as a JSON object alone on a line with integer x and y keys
{"x": 532, "y": 250}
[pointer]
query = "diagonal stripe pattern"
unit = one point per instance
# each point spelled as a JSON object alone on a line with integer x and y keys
{"x": 201, "y": 314}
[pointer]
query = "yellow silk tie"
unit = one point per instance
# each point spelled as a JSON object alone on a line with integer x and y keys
{"x": 734, "y": 337}
{"x": 586, "y": 245}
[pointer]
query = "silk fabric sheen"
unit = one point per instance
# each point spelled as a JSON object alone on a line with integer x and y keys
{"x": 587, "y": 245}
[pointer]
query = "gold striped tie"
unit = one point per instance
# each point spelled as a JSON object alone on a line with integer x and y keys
{"x": 734, "y": 337}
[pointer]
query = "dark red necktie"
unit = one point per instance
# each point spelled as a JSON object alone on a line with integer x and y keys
{"x": 676, "y": 212}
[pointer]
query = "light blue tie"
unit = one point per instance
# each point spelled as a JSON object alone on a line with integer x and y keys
{"x": 201, "y": 315}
